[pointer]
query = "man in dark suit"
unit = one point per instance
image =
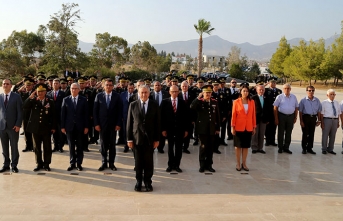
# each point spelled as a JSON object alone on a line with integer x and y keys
{"x": 158, "y": 95}
{"x": 264, "y": 115}
{"x": 187, "y": 96}
{"x": 74, "y": 111}
{"x": 77, "y": 74}
{"x": 143, "y": 135}
{"x": 68, "y": 73}
{"x": 175, "y": 124}
{"x": 42, "y": 123}
{"x": 10, "y": 122}
{"x": 232, "y": 95}
{"x": 107, "y": 114}
{"x": 125, "y": 98}
{"x": 207, "y": 126}
{"x": 57, "y": 96}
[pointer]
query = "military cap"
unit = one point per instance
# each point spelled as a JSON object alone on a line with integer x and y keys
{"x": 209, "y": 81}
{"x": 215, "y": 82}
{"x": 52, "y": 77}
{"x": 63, "y": 81}
{"x": 260, "y": 83}
{"x": 41, "y": 87}
{"x": 201, "y": 79}
{"x": 41, "y": 77}
{"x": 81, "y": 80}
{"x": 28, "y": 81}
{"x": 93, "y": 77}
{"x": 168, "y": 76}
{"x": 175, "y": 78}
{"x": 244, "y": 84}
{"x": 147, "y": 80}
{"x": 222, "y": 79}
{"x": 207, "y": 88}
{"x": 70, "y": 78}
{"x": 190, "y": 76}
{"x": 29, "y": 75}
{"x": 272, "y": 81}
{"x": 122, "y": 79}
{"x": 104, "y": 79}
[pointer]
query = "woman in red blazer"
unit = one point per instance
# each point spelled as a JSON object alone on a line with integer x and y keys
{"x": 243, "y": 124}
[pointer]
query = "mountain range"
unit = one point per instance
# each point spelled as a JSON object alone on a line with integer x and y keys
{"x": 214, "y": 45}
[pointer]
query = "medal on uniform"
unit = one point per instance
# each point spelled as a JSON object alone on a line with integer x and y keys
{"x": 47, "y": 108}
{"x": 214, "y": 108}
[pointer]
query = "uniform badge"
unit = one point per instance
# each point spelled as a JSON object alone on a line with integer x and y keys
{"x": 47, "y": 108}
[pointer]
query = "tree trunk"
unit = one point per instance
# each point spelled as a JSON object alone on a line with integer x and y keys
{"x": 300, "y": 83}
{"x": 315, "y": 81}
{"x": 200, "y": 56}
{"x": 325, "y": 82}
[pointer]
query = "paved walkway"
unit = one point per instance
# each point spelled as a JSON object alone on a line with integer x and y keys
{"x": 277, "y": 187}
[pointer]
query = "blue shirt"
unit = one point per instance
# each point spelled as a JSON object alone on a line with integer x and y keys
{"x": 308, "y": 106}
{"x": 286, "y": 105}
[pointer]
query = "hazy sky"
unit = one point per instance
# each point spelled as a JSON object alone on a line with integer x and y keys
{"x": 162, "y": 21}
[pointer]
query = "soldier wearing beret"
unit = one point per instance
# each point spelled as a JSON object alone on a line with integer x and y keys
{"x": 41, "y": 124}
{"x": 207, "y": 126}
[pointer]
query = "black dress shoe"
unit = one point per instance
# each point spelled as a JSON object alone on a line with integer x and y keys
{"x": 279, "y": 151}
{"x": 254, "y": 151}
{"x": 168, "y": 169}
{"x": 126, "y": 150}
{"x": 79, "y": 168}
{"x": 71, "y": 167}
{"x": 304, "y": 152}
{"x": 211, "y": 169}
{"x": 22, "y": 133}
{"x": 195, "y": 143}
{"x": 37, "y": 168}
{"x": 86, "y": 150}
{"x": 201, "y": 170}
{"x": 223, "y": 143}
{"x": 238, "y": 169}
{"x": 262, "y": 151}
{"x": 15, "y": 170}
{"x": 47, "y": 168}
{"x": 287, "y": 151}
{"x": 332, "y": 152}
{"x": 61, "y": 151}
{"x": 3, "y": 169}
{"x": 324, "y": 152}
{"x": 103, "y": 167}
{"x": 274, "y": 144}
{"x": 186, "y": 151}
{"x": 112, "y": 167}
{"x": 311, "y": 152}
{"x": 178, "y": 169}
{"x": 148, "y": 188}
{"x": 138, "y": 187}
{"x": 266, "y": 144}
{"x": 217, "y": 152}
{"x": 161, "y": 151}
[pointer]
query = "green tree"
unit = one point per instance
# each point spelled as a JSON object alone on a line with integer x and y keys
{"x": 276, "y": 62}
{"x": 236, "y": 71}
{"x": 144, "y": 56}
{"x": 202, "y": 27}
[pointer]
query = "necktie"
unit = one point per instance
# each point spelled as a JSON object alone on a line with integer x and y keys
{"x": 128, "y": 98}
{"x": 6, "y": 100}
{"x": 185, "y": 94}
{"x": 158, "y": 98}
{"x": 54, "y": 95}
{"x": 143, "y": 109}
{"x": 334, "y": 109}
{"x": 261, "y": 100}
{"x": 174, "y": 105}
{"x": 74, "y": 102}
{"x": 108, "y": 101}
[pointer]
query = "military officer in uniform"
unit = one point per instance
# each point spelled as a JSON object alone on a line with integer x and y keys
{"x": 41, "y": 124}
{"x": 271, "y": 93}
{"x": 207, "y": 126}
{"x": 196, "y": 91}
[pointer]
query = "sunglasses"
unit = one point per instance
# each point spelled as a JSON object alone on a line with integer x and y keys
{"x": 233, "y": 82}
{"x": 310, "y": 90}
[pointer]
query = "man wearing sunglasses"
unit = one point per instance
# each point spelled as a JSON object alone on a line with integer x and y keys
{"x": 309, "y": 114}
{"x": 233, "y": 95}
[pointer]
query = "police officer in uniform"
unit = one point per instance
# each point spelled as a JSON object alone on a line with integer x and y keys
{"x": 271, "y": 93}
{"x": 41, "y": 124}
{"x": 207, "y": 126}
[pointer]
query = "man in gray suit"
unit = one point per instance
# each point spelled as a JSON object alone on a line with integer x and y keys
{"x": 10, "y": 122}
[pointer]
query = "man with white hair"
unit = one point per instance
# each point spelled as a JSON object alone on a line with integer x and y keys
{"x": 285, "y": 114}
{"x": 331, "y": 112}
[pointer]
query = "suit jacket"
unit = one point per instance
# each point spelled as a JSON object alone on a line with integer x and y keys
{"x": 175, "y": 123}
{"x": 42, "y": 117}
{"x": 68, "y": 74}
{"x": 12, "y": 115}
{"x": 71, "y": 117}
{"x": 208, "y": 116}
{"x": 240, "y": 120}
{"x": 58, "y": 102}
{"x": 107, "y": 117}
{"x": 263, "y": 114}
{"x": 190, "y": 97}
{"x": 139, "y": 127}
{"x": 124, "y": 98}
{"x": 76, "y": 74}
{"x": 165, "y": 95}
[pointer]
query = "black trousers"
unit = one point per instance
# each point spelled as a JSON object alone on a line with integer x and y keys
{"x": 270, "y": 132}
{"x": 206, "y": 150}
{"x": 108, "y": 144}
{"x": 28, "y": 137}
{"x": 174, "y": 151}
{"x": 223, "y": 130}
{"x": 229, "y": 134}
{"x": 308, "y": 132}
{"x": 38, "y": 139}
{"x": 162, "y": 142}
{"x": 58, "y": 138}
{"x": 75, "y": 139}
{"x": 186, "y": 140}
{"x": 144, "y": 162}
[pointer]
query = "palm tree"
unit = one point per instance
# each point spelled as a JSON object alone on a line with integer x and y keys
{"x": 203, "y": 26}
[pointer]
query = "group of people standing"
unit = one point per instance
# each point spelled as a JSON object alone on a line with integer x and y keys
{"x": 81, "y": 111}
